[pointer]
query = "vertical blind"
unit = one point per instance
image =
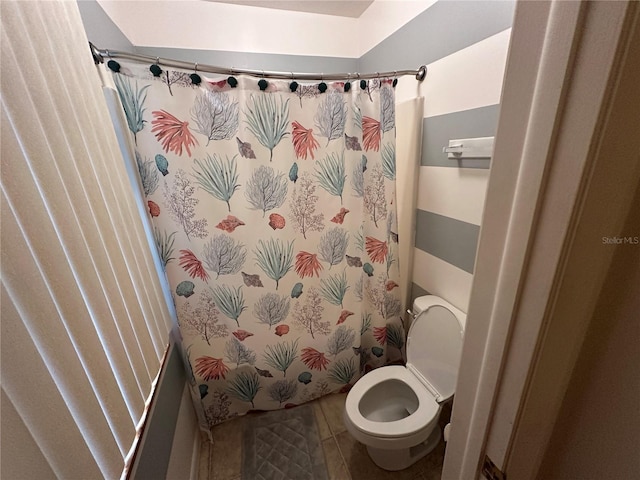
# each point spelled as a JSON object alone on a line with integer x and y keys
{"x": 84, "y": 319}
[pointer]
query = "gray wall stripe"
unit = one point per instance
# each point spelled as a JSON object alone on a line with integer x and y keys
{"x": 255, "y": 61}
{"x": 439, "y": 31}
{"x": 448, "y": 239}
{"x": 100, "y": 28}
{"x": 155, "y": 453}
{"x": 437, "y": 131}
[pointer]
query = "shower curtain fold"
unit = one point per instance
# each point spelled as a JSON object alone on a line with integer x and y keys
{"x": 409, "y": 115}
{"x": 273, "y": 210}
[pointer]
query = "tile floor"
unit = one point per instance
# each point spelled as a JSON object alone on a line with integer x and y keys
{"x": 346, "y": 458}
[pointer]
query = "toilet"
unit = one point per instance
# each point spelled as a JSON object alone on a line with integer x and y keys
{"x": 394, "y": 410}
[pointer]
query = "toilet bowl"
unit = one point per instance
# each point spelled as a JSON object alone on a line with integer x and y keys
{"x": 394, "y": 410}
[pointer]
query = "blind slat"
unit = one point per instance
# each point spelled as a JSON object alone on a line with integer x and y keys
{"x": 50, "y": 409}
{"x": 44, "y": 219}
{"x": 93, "y": 224}
{"x": 85, "y": 319}
{"x": 13, "y": 436}
{"x": 63, "y": 331}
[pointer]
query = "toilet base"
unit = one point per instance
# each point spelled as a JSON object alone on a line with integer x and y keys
{"x": 394, "y": 460}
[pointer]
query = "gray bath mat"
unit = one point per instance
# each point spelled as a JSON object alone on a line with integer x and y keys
{"x": 283, "y": 445}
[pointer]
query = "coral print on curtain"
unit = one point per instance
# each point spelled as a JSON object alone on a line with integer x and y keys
{"x": 273, "y": 210}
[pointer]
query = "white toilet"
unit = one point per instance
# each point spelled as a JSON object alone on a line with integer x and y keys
{"x": 394, "y": 410}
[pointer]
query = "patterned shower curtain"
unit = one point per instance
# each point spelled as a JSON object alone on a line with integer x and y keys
{"x": 272, "y": 204}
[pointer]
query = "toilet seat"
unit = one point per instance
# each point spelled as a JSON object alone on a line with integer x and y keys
{"x": 421, "y": 419}
{"x": 394, "y": 410}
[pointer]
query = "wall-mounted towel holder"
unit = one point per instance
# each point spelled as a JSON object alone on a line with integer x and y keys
{"x": 469, "y": 148}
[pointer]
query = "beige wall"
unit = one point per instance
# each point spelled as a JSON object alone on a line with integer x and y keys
{"x": 597, "y": 434}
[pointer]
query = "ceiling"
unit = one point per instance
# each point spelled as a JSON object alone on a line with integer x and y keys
{"x": 352, "y": 8}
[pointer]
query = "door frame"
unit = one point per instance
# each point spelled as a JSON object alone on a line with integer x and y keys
{"x": 553, "y": 192}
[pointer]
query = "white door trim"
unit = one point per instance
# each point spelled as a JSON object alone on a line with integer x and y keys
{"x": 555, "y": 85}
{"x": 591, "y": 187}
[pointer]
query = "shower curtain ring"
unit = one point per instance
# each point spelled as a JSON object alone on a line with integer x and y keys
{"x": 155, "y": 68}
{"x": 195, "y": 78}
{"x": 322, "y": 87}
{"x": 263, "y": 84}
{"x": 293, "y": 86}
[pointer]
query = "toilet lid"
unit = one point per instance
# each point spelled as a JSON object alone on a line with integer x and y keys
{"x": 434, "y": 346}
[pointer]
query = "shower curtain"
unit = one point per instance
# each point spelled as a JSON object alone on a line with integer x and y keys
{"x": 273, "y": 210}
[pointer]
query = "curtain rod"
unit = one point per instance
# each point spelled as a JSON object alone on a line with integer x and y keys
{"x": 99, "y": 54}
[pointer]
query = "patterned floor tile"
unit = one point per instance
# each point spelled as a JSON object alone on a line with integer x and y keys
{"x": 226, "y": 461}
{"x": 333, "y": 406}
{"x": 335, "y": 464}
{"x": 361, "y": 467}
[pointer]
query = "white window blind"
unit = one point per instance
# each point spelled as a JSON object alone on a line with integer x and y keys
{"x": 84, "y": 319}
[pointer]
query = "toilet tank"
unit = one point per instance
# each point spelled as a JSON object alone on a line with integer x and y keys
{"x": 434, "y": 344}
